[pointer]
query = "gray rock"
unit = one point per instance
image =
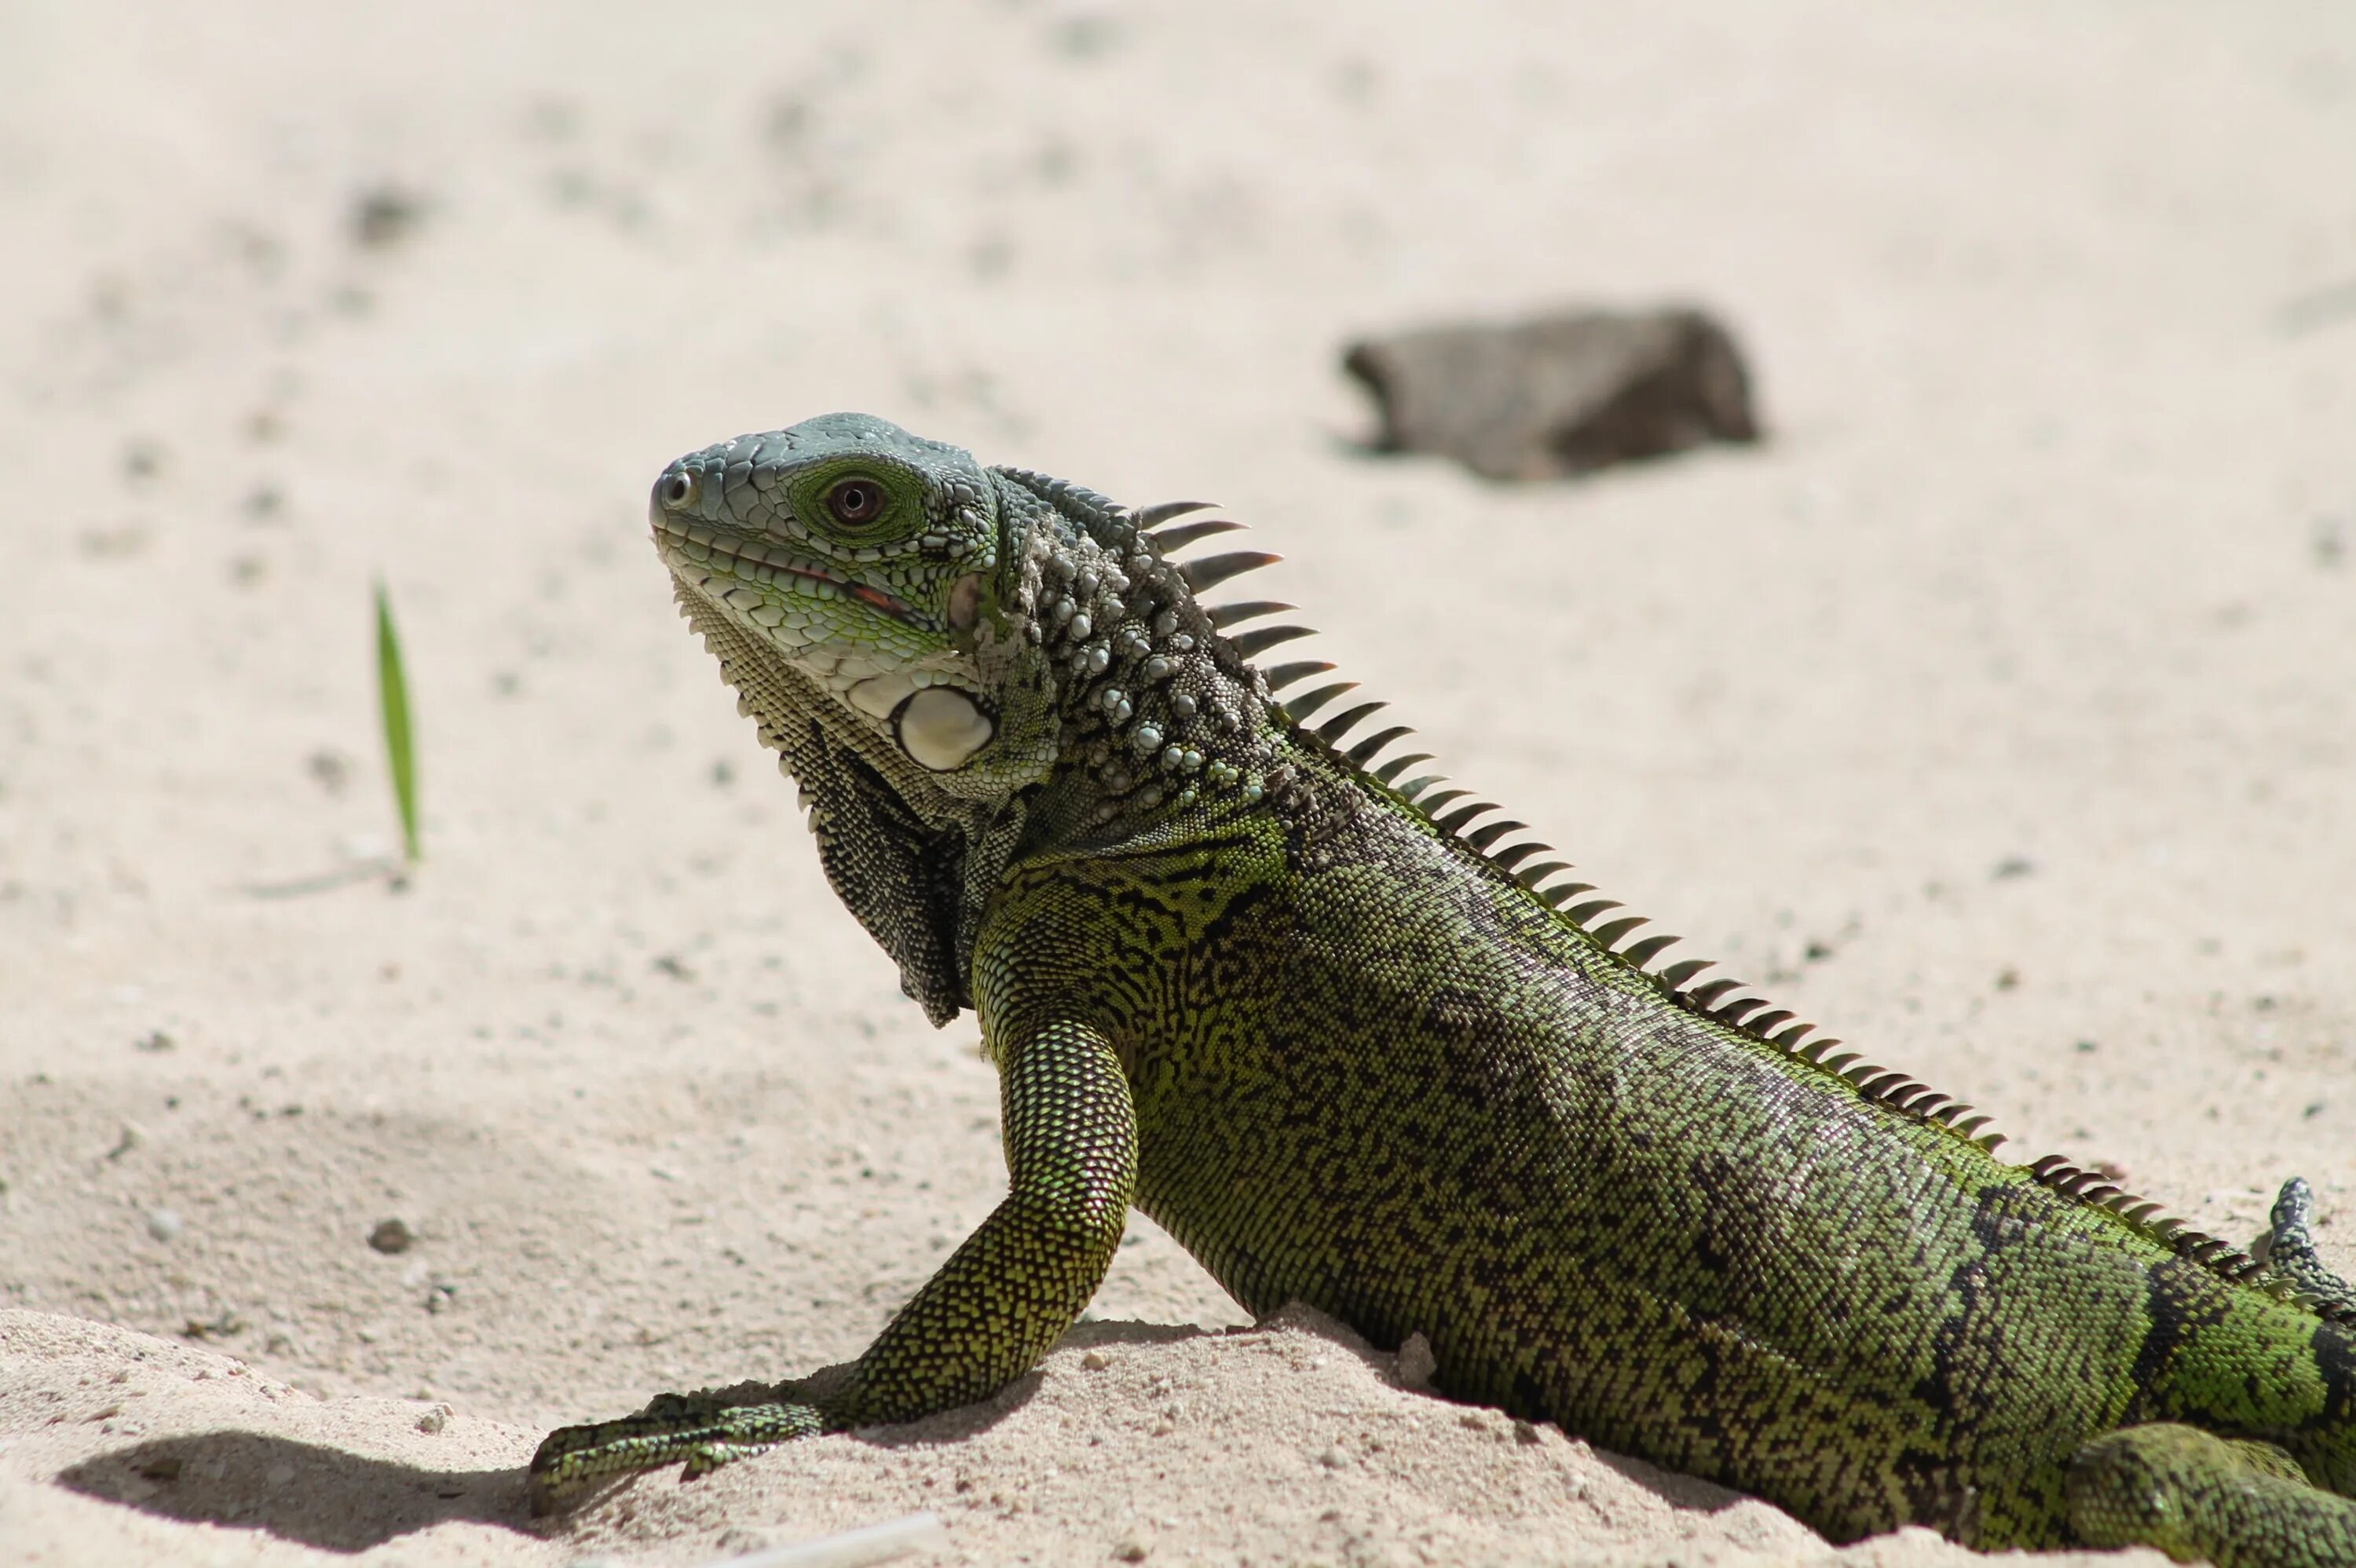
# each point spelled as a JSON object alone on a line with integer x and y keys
{"x": 1560, "y": 395}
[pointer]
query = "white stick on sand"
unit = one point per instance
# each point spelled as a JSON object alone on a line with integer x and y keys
{"x": 853, "y": 1548}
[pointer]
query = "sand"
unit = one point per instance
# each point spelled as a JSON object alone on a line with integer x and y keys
{"x": 1999, "y": 710}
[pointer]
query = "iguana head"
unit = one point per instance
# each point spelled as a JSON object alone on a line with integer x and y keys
{"x": 923, "y": 640}
{"x": 867, "y": 559}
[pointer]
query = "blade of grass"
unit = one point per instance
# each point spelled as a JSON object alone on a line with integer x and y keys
{"x": 400, "y": 746}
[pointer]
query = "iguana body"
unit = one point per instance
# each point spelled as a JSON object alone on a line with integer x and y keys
{"x": 1349, "y": 1047}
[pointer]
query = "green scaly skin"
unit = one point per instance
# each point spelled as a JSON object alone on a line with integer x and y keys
{"x": 1351, "y": 1047}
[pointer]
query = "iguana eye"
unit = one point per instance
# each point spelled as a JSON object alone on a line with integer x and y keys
{"x": 855, "y": 501}
{"x": 676, "y": 490}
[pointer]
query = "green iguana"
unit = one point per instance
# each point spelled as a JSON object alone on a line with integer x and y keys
{"x": 1353, "y": 1041}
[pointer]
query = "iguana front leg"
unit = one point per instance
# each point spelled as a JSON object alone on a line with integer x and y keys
{"x": 983, "y": 1320}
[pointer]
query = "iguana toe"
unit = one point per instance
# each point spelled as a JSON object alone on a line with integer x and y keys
{"x": 699, "y": 1429}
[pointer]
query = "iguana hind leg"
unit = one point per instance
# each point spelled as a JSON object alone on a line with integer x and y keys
{"x": 994, "y": 1309}
{"x": 2194, "y": 1494}
{"x": 2291, "y": 1248}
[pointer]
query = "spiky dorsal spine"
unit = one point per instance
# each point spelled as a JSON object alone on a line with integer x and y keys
{"x": 1430, "y": 796}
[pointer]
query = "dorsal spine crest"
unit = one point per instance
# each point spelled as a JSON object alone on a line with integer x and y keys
{"x": 1430, "y": 798}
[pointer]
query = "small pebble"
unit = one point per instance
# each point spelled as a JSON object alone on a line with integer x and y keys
{"x": 392, "y": 1236}
{"x": 384, "y": 216}
{"x": 1134, "y": 1548}
{"x": 1333, "y": 1458}
{"x": 737, "y": 1540}
{"x": 1417, "y": 1364}
{"x": 329, "y": 769}
{"x": 143, "y": 459}
{"x": 164, "y": 1225}
{"x": 1095, "y": 1360}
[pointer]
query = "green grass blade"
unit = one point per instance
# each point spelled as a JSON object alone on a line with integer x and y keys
{"x": 400, "y": 745}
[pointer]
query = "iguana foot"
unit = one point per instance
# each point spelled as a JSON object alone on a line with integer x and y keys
{"x": 705, "y": 1430}
{"x": 2194, "y": 1494}
{"x": 2291, "y": 1247}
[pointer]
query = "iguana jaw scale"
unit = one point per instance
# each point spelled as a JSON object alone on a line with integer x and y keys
{"x": 695, "y": 554}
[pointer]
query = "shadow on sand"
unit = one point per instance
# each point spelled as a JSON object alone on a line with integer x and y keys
{"x": 341, "y": 1501}
{"x": 297, "y": 1491}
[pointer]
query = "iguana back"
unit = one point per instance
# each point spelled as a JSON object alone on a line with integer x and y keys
{"x": 1374, "y": 1071}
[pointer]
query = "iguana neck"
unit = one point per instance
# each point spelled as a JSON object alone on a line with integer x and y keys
{"x": 1156, "y": 713}
{"x": 1147, "y": 713}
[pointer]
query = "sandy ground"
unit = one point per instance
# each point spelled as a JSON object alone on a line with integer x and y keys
{"x": 2001, "y": 710}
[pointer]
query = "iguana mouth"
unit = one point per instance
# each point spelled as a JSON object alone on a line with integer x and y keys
{"x": 689, "y": 545}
